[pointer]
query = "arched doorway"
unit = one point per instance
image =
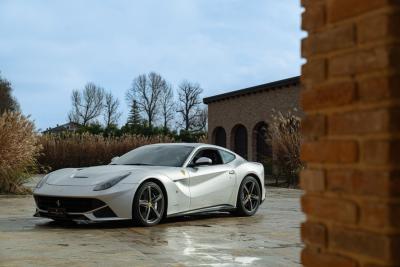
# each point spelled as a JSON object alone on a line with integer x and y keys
{"x": 239, "y": 140}
{"x": 219, "y": 136}
{"x": 262, "y": 147}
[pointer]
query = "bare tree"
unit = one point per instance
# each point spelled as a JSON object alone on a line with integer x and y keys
{"x": 202, "y": 119}
{"x": 167, "y": 106}
{"x": 86, "y": 105}
{"x": 111, "y": 114}
{"x": 188, "y": 103}
{"x": 146, "y": 90}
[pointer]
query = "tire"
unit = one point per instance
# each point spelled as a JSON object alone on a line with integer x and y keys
{"x": 145, "y": 212}
{"x": 249, "y": 197}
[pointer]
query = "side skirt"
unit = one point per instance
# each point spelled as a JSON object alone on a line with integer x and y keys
{"x": 201, "y": 210}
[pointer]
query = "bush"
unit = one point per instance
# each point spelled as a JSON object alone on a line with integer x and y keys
{"x": 285, "y": 139}
{"x": 82, "y": 150}
{"x": 18, "y": 150}
{"x": 191, "y": 137}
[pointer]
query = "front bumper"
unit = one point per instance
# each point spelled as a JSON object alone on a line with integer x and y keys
{"x": 69, "y": 208}
{"x": 263, "y": 198}
{"x": 82, "y": 203}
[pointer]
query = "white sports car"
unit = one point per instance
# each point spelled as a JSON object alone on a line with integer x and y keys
{"x": 152, "y": 182}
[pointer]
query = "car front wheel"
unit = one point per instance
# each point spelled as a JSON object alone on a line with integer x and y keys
{"x": 148, "y": 204}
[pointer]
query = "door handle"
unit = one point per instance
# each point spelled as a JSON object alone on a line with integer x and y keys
{"x": 232, "y": 172}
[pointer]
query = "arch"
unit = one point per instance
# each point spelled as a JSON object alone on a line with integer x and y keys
{"x": 239, "y": 140}
{"x": 219, "y": 136}
{"x": 262, "y": 147}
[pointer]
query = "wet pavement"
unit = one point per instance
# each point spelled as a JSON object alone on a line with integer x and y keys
{"x": 269, "y": 238}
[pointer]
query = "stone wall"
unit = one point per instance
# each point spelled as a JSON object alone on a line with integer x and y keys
{"x": 351, "y": 96}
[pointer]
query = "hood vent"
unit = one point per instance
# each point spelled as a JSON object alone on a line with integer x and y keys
{"x": 80, "y": 176}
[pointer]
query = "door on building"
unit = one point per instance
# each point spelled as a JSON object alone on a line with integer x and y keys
{"x": 219, "y": 137}
{"x": 239, "y": 138}
{"x": 263, "y": 147}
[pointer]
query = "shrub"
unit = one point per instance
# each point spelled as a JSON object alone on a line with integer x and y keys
{"x": 191, "y": 137}
{"x": 82, "y": 150}
{"x": 203, "y": 139}
{"x": 18, "y": 150}
{"x": 285, "y": 139}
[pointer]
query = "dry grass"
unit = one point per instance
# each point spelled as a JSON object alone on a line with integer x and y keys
{"x": 285, "y": 137}
{"x": 76, "y": 150}
{"x": 203, "y": 139}
{"x": 19, "y": 148}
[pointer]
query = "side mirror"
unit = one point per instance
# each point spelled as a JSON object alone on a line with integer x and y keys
{"x": 203, "y": 161}
{"x": 114, "y": 159}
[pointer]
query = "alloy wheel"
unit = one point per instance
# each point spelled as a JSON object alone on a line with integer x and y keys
{"x": 250, "y": 196}
{"x": 151, "y": 204}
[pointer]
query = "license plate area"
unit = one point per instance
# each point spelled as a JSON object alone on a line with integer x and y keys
{"x": 57, "y": 212}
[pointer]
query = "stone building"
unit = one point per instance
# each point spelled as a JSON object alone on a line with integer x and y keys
{"x": 239, "y": 120}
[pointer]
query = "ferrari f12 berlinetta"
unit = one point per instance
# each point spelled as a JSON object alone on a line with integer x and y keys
{"x": 152, "y": 182}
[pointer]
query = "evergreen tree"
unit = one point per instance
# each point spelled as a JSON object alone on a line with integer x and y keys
{"x": 134, "y": 118}
{"x": 7, "y": 101}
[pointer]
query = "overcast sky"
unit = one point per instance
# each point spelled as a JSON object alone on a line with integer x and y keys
{"x": 48, "y": 48}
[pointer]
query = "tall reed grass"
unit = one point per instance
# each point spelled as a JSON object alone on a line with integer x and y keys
{"x": 285, "y": 138}
{"x": 82, "y": 150}
{"x": 19, "y": 148}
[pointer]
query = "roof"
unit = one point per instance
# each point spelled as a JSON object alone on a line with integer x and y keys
{"x": 194, "y": 145}
{"x": 178, "y": 144}
{"x": 62, "y": 128}
{"x": 255, "y": 89}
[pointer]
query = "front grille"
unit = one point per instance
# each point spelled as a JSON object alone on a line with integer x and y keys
{"x": 70, "y": 204}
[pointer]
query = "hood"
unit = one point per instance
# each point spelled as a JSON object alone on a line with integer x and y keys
{"x": 93, "y": 175}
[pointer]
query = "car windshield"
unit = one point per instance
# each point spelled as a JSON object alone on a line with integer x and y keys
{"x": 156, "y": 155}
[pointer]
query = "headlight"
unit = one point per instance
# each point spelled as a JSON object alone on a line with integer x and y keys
{"x": 42, "y": 181}
{"x": 110, "y": 183}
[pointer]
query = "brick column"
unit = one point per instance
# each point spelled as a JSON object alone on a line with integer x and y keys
{"x": 351, "y": 96}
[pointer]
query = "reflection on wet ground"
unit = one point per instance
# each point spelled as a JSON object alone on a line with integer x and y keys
{"x": 270, "y": 238}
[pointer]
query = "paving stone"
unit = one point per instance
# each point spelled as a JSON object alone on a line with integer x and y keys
{"x": 270, "y": 238}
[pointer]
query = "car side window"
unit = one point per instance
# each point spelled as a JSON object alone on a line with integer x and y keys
{"x": 209, "y": 153}
{"x": 226, "y": 156}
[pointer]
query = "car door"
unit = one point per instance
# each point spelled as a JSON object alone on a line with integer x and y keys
{"x": 210, "y": 185}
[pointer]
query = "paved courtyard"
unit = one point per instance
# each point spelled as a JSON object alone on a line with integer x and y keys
{"x": 270, "y": 238}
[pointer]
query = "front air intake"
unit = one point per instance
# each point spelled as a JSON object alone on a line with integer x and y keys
{"x": 105, "y": 212}
{"x": 70, "y": 204}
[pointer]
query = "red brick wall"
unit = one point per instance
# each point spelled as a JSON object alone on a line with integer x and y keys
{"x": 351, "y": 96}
{"x": 249, "y": 110}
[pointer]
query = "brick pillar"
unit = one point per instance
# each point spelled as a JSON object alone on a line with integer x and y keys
{"x": 351, "y": 96}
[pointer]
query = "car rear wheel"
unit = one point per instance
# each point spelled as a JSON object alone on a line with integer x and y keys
{"x": 148, "y": 204}
{"x": 249, "y": 197}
